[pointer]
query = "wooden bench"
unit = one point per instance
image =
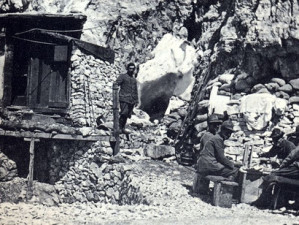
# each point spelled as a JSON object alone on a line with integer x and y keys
{"x": 282, "y": 184}
{"x": 222, "y": 191}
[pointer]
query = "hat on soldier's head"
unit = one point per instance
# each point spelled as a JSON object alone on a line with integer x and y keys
{"x": 130, "y": 64}
{"x": 214, "y": 119}
{"x": 276, "y": 133}
{"x": 227, "y": 124}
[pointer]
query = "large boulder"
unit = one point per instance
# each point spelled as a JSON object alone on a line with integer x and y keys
{"x": 295, "y": 83}
{"x": 158, "y": 151}
{"x": 168, "y": 73}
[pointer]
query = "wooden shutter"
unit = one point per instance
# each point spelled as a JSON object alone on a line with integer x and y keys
{"x": 58, "y": 97}
{"x": 48, "y": 80}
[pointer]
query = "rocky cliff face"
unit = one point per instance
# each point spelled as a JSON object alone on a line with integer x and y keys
{"x": 255, "y": 38}
{"x": 249, "y": 60}
{"x": 241, "y": 45}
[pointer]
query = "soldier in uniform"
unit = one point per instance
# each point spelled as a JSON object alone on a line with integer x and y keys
{"x": 212, "y": 160}
{"x": 281, "y": 147}
{"x": 128, "y": 95}
{"x": 294, "y": 137}
{"x": 213, "y": 126}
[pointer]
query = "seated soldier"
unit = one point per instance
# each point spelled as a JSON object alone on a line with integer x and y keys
{"x": 281, "y": 147}
{"x": 289, "y": 168}
{"x": 212, "y": 160}
{"x": 294, "y": 137}
{"x": 213, "y": 126}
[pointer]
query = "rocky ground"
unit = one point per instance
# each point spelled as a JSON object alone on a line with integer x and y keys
{"x": 167, "y": 187}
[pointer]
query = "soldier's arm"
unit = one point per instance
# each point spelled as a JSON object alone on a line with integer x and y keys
{"x": 219, "y": 148}
{"x": 119, "y": 80}
{"x": 293, "y": 156}
{"x": 269, "y": 154}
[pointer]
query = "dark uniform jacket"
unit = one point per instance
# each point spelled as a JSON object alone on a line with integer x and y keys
{"x": 282, "y": 151}
{"x": 293, "y": 139}
{"x": 291, "y": 159}
{"x": 212, "y": 158}
{"x": 128, "y": 89}
{"x": 204, "y": 139}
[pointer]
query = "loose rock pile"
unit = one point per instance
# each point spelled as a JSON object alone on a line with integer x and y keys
{"x": 8, "y": 168}
{"x": 174, "y": 119}
{"x": 16, "y": 189}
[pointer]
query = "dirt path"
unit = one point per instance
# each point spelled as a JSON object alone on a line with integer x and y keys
{"x": 167, "y": 189}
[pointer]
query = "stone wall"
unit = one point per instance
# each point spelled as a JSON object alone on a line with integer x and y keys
{"x": 77, "y": 171}
{"x": 99, "y": 177}
{"x": 62, "y": 155}
{"x": 246, "y": 48}
{"x": 91, "y": 88}
{"x": 255, "y": 110}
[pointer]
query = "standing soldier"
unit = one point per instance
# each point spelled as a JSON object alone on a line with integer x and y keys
{"x": 128, "y": 95}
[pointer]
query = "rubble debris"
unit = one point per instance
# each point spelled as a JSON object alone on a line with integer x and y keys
{"x": 8, "y": 168}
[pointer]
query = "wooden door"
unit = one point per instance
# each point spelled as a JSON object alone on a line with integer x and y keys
{"x": 48, "y": 80}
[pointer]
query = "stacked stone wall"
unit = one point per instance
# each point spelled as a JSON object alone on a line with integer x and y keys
{"x": 97, "y": 176}
{"x": 78, "y": 171}
{"x": 91, "y": 88}
{"x": 279, "y": 94}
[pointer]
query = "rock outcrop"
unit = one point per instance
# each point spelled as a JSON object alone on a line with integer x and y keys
{"x": 8, "y": 168}
{"x": 172, "y": 66}
{"x": 249, "y": 51}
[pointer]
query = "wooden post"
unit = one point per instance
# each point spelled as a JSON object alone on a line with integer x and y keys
{"x": 242, "y": 180}
{"x": 31, "y": 167}
{"x": 116, "y": 119}
{"x": 250, "y": 157}
{"x": 216, "y": 193}
{"x": 245, "y": 156}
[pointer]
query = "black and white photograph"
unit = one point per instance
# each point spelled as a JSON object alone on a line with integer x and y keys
{"x": 144, "y": 112}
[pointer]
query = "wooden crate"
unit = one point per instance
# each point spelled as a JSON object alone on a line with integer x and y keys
{"x": 223, "y": 194}
{"x": 222, "y": 191}
{"x": 250, "y": 182}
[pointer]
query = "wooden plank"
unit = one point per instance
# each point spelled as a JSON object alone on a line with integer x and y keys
{"x": 33, "y": 82}
{"x": 245, "y": 156}
{"x": 31, "y": 167}
{"x": 29, "y": 139}
{"x": 78, "y": 16}
{"x": 250, "y": 186}
{"x": 58, "y": 96}
{"x": 277, "y": 190}
{"x": 226, "y": 196}
{"x": 216, "y": 193}
{"x": 44, "y": 81}
{"x": 250, "y": 157}
{"x": 200, "y": 184}
{"x": 116, "y": 130}
{"x": 28, "y": 134}
{"x": 8, "y": 73}
{"x": 243, "y": 186}
{"x": 50, "y": 110}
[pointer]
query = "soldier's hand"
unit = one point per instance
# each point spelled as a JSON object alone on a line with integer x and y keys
{"x": 237, "y": 164}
